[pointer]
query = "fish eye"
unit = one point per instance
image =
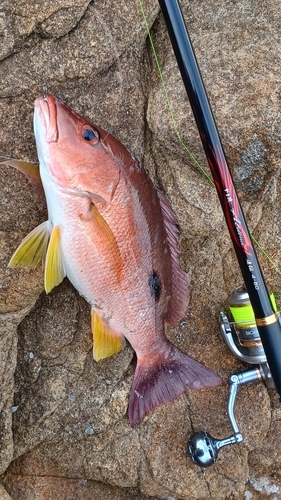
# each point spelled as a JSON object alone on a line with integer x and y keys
{"x": 90, "y": 135}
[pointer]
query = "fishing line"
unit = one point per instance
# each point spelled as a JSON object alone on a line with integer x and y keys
{"x": 168, "y": 102}
{"x": 177, "y": 133}
{"x": 265, "y": 254}
{"x": 258, "y": 343}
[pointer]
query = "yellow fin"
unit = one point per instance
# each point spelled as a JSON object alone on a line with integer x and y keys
{"x": 54, "y": 272}
{"x": 104, "y": 227}
{"x": 28, "y": 169}
{"x": 106, "y": 342}
{"x": 100, "y": 223}
{"x": 32, "y": 173}
{"x": 104, "y": 237}
{"x": 33, "y": 248}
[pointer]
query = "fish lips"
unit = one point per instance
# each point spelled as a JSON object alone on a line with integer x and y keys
{"x": 45, "y": 113}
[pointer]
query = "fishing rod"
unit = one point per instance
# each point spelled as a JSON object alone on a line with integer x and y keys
{"x": 255, "y": 334}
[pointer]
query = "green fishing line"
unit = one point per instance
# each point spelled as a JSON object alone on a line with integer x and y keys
{"x": 170, "y": 108}
{"x": 266, "y": 254}
{"x": 172, "y": 116}
{"x": 244, "y": 316}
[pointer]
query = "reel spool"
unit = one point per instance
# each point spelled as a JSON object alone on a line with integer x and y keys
{"x": 241, "y": 333}
{"x": 242, "y": 337}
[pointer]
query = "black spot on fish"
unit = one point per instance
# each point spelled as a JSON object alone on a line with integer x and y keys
{"x": 155, "y": 285}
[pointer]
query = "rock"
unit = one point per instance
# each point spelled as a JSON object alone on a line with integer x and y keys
{"x": 68, "y": 434}
{"x": 47, "y": 488}
{"x": 4, "y": 494}
{"x": 8, "y": 358}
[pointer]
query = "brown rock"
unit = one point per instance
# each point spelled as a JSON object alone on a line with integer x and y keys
{"x": 3, "y": 493}
{"x": 70, "y": 437}
{"x": 8, "y": 358}
{"x": 54, "y": 488}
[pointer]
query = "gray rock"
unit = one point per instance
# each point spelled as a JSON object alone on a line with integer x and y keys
{"x": 70, "y": 425}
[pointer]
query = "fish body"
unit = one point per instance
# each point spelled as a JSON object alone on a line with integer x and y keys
{"x": 114, "y": 235}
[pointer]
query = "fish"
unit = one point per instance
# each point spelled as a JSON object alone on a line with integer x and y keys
{"x": 114, "y": 235}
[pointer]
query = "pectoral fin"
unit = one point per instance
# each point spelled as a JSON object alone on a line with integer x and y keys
{"x": 100, "y": 225}
{"x": 32, "y": 173}
{"x": 103, "y": 236}
{"x": 33, "y": 248}
{"x": 106, "y": 342}
{"x": 54, "y": 272}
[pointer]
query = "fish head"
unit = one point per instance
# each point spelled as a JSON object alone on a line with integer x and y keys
{"x": 74, "y": 153}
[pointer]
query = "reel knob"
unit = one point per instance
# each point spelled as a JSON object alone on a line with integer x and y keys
{"x": 202, "y": 449}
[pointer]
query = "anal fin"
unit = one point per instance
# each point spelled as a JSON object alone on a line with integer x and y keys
{"x": 33, "y": 248}
{"x": 106, "y": 342}
{"x": 54, "y": 272}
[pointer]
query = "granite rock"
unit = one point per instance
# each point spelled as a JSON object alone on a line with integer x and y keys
{"x": 64, "y": 432}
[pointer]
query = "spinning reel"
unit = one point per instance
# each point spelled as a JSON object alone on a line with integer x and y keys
{"x": 242, "y": 337}
{"x": 255, "y": 341}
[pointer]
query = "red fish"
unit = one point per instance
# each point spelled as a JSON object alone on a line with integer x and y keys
{"x": 114, "y": 235}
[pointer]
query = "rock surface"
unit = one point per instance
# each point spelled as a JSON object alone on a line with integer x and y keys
{"x": 64, "y": 433}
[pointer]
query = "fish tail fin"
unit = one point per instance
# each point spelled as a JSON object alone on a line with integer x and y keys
{"x": 163, "y": 378}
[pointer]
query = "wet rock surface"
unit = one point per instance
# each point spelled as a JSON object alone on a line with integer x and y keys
{"x": 64, "y": 432}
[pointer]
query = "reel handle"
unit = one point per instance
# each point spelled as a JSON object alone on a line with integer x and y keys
{"x": 242, "y": 338}
{"x": 202, "y": 447}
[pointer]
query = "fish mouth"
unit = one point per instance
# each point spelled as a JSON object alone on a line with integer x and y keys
{"x": 47, "y": 108}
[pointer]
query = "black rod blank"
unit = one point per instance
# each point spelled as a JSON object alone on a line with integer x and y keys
{"x": 267, "y": 321}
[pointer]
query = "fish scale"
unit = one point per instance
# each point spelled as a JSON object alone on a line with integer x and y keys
{"x": 114, "y": 235}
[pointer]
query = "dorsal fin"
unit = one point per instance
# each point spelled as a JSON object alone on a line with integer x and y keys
{"x": 180, "y": 283}
{"x": 33, "y": 248}
{"x": 54, "y": 272}
{"x": 106, "y": 342}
